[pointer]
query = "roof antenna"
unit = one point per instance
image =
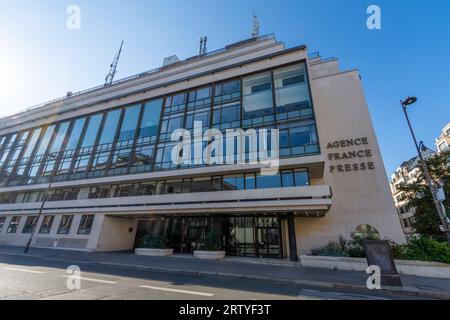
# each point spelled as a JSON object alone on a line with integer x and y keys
{"x": 256, "y": 26}
{"x": 200, "y": 50}
{"x": 113, "y": 68}
{"x": 203, "y": 50}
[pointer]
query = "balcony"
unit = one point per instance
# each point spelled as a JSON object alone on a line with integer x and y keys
{"x": 304, "y": 201}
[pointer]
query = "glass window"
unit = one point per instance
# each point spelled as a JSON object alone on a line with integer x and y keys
{"x": 217, "y": 183}
{"x": 34, "y": 138}
{"x": 263, "y": 182}
{"x": 110, "y": 127}
{"x": 151, "y": 118}
{"x": 75, "y": 134}
{"x": 65, "y": 224}
{"x": 201, "y": 184}
{"x": 250, "y": 181}
{"x": 257, "y": 93}
{"x": 178, "y": 99}
{"x": 287, "y": 177}
{"x": 124, "y": 190}
{"x": 227, "y": 88}
{"x": 86, "y": 224}
{"x": 92, "y": 130}
{"x": 233, "y": 182}
{"x": 129, "y": 123}
{"x": 45, "y": 140}
{"x": 59, "y": 139}
{"x": 291, "y": 88}
{"x": 2, "y": 223}
{"x": 13, "y": 224}
{"x": 231, "y": 113}
{"x": 300, "y": 136}
{"x": 301, "y": 178}
{"x": 147, "y": 189}
{"x": 46, "y": 224}
{"x": 173, "y": 186}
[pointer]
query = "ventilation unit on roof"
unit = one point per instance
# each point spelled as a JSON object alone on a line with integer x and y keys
{"x": 170, "y": 60}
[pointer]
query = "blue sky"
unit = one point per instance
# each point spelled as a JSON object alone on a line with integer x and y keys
{"x": 40, "y": 59}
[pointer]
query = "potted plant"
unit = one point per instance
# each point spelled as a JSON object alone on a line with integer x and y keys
{"x": 211, "y": 248}
{"x": 153, "y": 245}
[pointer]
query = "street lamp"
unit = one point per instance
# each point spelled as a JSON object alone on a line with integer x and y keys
{"x": 438, "y": 203}
{"x": 44, "y": 200}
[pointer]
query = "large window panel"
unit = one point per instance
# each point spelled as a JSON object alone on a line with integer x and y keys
{"x": 130, "y": 122}
{"x": 86, "y": 224}
{"x": 65, "y": 224}
{"x": 45, "y": 140}
{"x": 291, "y": 87}
{"x": 263, "y": 182}
{"x": 59, "y": 139}
{"x": 75, "y": 135}
{"x": 34, "y": 139}
{"x": 151, "y": 118}
{"x": 257, "y": 99}
{"x": 92, "y": 130}
{"x": 110, "y": 127}
{"x": 257, "y": 92}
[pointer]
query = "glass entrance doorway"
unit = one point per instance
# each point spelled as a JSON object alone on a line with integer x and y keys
{"x": 254, "y": 237}
{"x": 240, "y": 236}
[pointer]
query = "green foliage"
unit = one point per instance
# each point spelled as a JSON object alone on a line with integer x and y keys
{"x": 426, "y": 219}
{"x": 420, "y": 248}
{"x": 423, "y": 249}
{"x": 212, "y": 241}
{"x": 344, "y": 248}
{"x": 154, "y": 241}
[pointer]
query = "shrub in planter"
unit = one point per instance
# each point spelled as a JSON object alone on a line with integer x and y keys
{"x": 332, "y": 249}
{"x": 212, "y": 241}
{"x": 425, "y": 249}
{"x": 343, "y": 247}
{"x": 212, "y": 247}
{"x": 154, "y": 241}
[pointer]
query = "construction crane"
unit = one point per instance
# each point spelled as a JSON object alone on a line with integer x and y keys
{"x": 113, "y": 68}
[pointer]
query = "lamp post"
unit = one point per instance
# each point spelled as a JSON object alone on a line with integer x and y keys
{"x": 44, "y": 200}
{"x": 445, "y": 221}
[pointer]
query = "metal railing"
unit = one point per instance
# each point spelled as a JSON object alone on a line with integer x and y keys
{"x": 140, "y": 75}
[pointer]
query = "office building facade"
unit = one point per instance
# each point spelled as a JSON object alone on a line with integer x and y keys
{"x": 102, "y": 158}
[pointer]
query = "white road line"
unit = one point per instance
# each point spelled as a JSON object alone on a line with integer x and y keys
{"x": 94, "y": 280}
{"x": 23, "y": 270}
{"x": 179, "y": 291}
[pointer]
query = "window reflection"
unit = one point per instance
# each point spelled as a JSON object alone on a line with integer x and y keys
{"x": 129, "y": 123}
{"x": 91, "y": 131}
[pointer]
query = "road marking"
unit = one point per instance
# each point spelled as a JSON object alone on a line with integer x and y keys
{"x": 24, "y": 270}
{"x": 93, "y": 280}
{"x": 179, "y": 291}
{"x": 330, "y": 295}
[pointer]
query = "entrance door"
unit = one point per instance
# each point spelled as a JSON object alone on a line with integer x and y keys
{"x": 267, "y": 238}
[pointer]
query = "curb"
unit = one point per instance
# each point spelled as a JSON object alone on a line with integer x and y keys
{"x": 406, "y": 291}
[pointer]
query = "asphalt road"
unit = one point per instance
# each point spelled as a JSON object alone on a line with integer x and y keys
{"x": 29, "y": 278}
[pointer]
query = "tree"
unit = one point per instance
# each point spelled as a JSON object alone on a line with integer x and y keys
{"x": 417, "y": 195}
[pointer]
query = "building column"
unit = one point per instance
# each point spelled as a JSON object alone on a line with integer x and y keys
{"x": 292, "y": 237}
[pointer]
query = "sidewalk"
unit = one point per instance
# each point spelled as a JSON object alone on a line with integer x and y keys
{"x": 260, "y": 269}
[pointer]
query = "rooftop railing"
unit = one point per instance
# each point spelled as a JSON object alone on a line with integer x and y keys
{"x": 143, "y": 74}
